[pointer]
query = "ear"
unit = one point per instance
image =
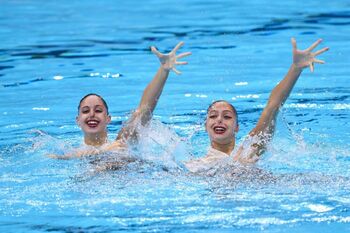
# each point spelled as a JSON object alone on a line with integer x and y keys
{"x": 236, "y": 128}
{"x": 109, "y": 119}
{"x": 77, "y": 120}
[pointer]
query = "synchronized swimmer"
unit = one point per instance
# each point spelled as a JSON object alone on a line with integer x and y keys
{"x": 221, "y": 121}
{"x": 93, "y": 115}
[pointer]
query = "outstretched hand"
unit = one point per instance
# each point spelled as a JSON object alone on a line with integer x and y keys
{"x": 169, "y": 60}
{"x": 306, "y": 58}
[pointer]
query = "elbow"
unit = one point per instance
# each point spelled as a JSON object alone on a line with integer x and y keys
{"x": 273, "y": 106}
{"x": 142, "y": 114}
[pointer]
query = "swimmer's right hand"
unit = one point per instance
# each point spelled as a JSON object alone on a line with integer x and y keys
{"x": 307, "y": 58}
{"x": 169, "y": 60}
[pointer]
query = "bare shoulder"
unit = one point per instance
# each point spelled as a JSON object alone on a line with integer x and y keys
{"x": 115, "y": 146}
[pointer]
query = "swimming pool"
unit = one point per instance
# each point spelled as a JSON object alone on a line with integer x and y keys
{"x": 52, "y": 53}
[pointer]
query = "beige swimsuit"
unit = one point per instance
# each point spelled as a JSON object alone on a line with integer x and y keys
{"x": 210, "y": 163}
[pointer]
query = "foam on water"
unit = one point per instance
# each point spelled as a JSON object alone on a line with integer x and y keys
{"x": 156, "y": 188}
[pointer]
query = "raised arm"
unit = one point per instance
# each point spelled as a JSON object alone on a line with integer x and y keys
{"x": 264, "y": 130}
{"x": 151, "y": 94}
{"x": 143, "y": 113}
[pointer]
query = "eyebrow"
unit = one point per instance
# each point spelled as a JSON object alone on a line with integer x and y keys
{"x": 216, "y": 111}
{"x": 87, "y": 106}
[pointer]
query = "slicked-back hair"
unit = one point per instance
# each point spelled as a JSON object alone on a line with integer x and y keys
{"x": 90, "y": 94}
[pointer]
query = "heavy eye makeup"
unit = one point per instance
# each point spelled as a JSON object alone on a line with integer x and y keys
{"x": 212, "y": 115}
{"x": 99, "y": 110}
{"x": 227, "y": 115}
{"x": 85, "y": 110}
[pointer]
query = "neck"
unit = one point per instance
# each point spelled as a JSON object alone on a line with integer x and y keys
{"x": 226, "y": 148}
{"x": 95, "y": 139}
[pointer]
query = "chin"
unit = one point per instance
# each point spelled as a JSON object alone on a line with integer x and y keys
{"x": 222, "y": 139}
{"x": 93, "y": 131}
{"x": 227, "y": 136}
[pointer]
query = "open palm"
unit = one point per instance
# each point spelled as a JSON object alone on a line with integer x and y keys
{"x": 169, "y": 60}
{"x": 306, "y": 58}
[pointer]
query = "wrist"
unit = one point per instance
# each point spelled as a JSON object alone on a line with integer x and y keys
{"x": 296, "y": 67}
{"x": 165, "y": 69}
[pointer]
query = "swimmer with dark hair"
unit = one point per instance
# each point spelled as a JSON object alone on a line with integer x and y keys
{"x": 93, "y": 115}
{"x": 222, "y": 121}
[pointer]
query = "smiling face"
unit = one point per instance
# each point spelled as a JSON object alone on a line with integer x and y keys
{"x": 93, "y": 116}
{"x": 221, "y": 123}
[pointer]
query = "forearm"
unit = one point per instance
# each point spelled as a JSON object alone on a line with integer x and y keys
{"x": 281, "y": 92}
{"x": 279, "y": 95}
{"x": 151, "y": 95}
{"x": 91, "y": 151}
{"x": 265, "y": 127}
{"x": 153, "y": 90}
{"x": 78, "y": 153}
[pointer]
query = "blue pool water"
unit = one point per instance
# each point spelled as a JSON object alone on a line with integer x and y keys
{"x": 54, "y": 52}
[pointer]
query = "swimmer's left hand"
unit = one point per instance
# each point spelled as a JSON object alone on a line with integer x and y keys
{"x": 307, "y": 58}
{"x": 169, "y": 60}
{"x": 63, "y": 157}
{"x": 78, "y": 153}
